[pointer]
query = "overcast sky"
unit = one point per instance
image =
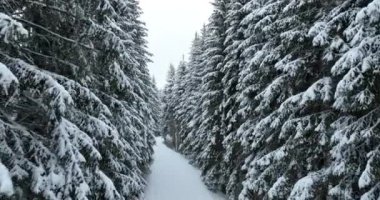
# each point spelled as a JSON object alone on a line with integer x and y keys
{"x": 171, "y": 27}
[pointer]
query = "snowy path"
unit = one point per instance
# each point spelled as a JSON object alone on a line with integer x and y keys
{"x": 173, "y": 178}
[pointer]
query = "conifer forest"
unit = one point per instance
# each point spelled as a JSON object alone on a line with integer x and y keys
{"x": 277, "y": 100}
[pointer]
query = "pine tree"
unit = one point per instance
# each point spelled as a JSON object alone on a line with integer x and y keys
{"x": 191, "y": 104}
{"x": 179, "y": 102}
{"x": 290, "y": 109}
{"x": 169, "y": 126}
{"x": 210, "y": 156}
{"x": 231, "y": 120}
{"x": 11, "y": 31}
{"x": 349, "y": 34}
{"x": 78, "y": 121}
{"x": 156, "y": 108}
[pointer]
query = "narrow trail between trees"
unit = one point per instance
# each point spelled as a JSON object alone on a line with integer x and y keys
{"x": 173, "y": 178}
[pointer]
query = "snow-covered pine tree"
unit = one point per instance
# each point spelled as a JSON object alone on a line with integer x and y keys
{"x": 180, "y": 102}
{"x": 231, "y": 120}
{"x": 11, "y": 31}
{"x": 211, "y": 154}
{"x": 131, "y": 84}
{"x": 75, "y": 127}
{"x": 194, "y": 76}
{"x": 169, "y": 126}
{"x": 259, "y": 57}
{"x": 291, "y": 112}
{"x": 350, "y": 37}
{"x": 190, "y": 83}
{"x": 147, "y": 99}
{"x": 157, "y": 108}
{"x": 314, "y": 103}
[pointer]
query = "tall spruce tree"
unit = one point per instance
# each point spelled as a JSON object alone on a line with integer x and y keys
{"x": 169, "y": 125}
{"x": 231, "y": 119}
{"x": 193, "y": 95}
{"x": 77, "y": 119}
{"x": 349, "y": 35}
{"x": 179, "y": 102}
{"x": 210, "y": 156}
{"x": 193, "y": 143}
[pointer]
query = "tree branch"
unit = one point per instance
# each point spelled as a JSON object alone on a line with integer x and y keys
{"x": 50, "y": 57}
{"x": 52, "y": 7}
{"x": 53, "y": 33}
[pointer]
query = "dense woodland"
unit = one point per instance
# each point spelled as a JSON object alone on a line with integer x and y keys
{"x": 280, "y": 99}
{"x": 78, "y": 109}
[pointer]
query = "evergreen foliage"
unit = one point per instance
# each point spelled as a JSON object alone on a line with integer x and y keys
{"x": 78, "y": 108}
{"x": 280, "y": 100}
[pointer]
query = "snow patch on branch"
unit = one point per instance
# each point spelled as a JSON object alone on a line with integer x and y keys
{"x": 7, "y": 78}
{"x": 304, "y": 188}
{"x": 10, "y": 29}
{"x": 6, "y": 186}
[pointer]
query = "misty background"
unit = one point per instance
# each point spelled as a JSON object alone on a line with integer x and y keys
{"x": 172, "y": 25}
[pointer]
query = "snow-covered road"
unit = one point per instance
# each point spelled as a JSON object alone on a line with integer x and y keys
{"x": 173, "y": 178}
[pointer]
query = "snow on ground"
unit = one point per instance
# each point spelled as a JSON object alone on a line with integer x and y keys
{"x": 173, "y": 178}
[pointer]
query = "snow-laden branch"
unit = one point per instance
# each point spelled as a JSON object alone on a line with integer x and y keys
{"x": 10, "y": 29}
{"x": 6, "y": 185}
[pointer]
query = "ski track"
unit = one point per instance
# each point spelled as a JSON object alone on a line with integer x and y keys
{"x": 173, "y": 178}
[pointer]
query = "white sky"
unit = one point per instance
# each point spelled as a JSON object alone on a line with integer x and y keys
{"x": 171, "y": 28}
